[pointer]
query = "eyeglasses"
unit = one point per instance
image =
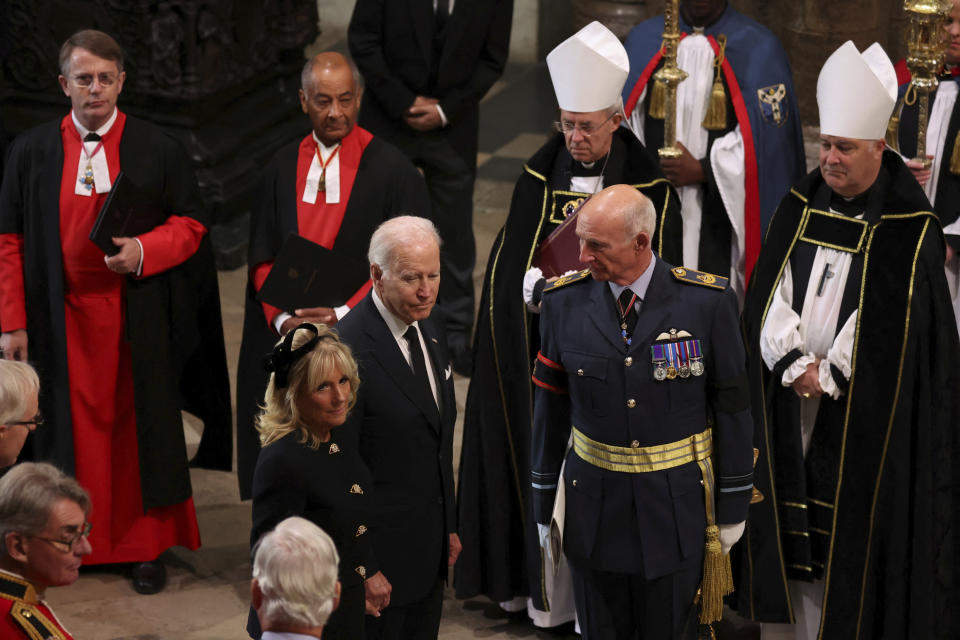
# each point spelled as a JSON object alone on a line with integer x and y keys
{"x": 66, "y": 546}
{"x": 86, "y": 80}
{"x": 586, "y": 129}
{"x": 37, "y": 420}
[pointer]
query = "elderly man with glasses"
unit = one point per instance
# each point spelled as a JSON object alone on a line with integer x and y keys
{"x": 43, "y": 539}
{"x": 501, "y": 553}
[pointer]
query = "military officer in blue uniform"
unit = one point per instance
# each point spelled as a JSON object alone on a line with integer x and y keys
{"x": 642, "y": 371}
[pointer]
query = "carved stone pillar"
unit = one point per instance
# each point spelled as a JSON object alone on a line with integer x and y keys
{"x": 219, "y": 75}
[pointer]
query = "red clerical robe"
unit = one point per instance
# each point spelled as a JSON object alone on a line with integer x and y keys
{"x": 101, "y": 393}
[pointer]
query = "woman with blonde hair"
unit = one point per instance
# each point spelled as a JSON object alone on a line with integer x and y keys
{"x": 308, "y": 468}
{"x": 19, "y": 413}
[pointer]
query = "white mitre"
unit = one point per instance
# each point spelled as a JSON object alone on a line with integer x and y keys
{"x": 856, "y": 93}
{"x": 588, "y": 69}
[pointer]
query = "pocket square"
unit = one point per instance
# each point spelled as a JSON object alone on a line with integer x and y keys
{"x": 447, "y": 372}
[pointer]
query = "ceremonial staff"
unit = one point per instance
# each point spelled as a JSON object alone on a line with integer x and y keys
{"x": 667, "y": 79}
{"x": 927, "y": 50}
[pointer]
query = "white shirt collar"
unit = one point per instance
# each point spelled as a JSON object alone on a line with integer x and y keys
{"x": 102, "y": 131}
{"x": 397, "y": 326}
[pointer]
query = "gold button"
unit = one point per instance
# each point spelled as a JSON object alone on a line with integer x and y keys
{"x": 635, "y": 444}
{"x": 631, "y": 403}
{"x": 574, "y": 483}
{"x": 628, "y": 361}
{"x": 579, "y": 372}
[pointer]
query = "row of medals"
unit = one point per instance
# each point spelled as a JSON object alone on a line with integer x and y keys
{"x": 682, "y": 366}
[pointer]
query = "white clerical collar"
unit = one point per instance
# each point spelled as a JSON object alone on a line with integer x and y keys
{"x": 102, "y": 131}
{"x": 638, "y": 286}
{"x": 397, "y": 326}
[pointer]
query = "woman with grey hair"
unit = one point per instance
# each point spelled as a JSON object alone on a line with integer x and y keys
{"x": 309, "y": 468}
{"x": 19, "y": 414}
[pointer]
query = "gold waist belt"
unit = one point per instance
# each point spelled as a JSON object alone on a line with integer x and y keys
{"x": 694, "y": 448}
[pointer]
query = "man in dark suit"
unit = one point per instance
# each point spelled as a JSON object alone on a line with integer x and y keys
{"x": 404, "y": 422}
{"x": 639, "y": 481}
{"x": 427, "y": 64}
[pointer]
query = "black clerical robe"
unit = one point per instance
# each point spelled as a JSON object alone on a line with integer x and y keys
{"x": 882, "y": 459}
{"x": 386, "y": 185}
{"x": 501, "y": 553}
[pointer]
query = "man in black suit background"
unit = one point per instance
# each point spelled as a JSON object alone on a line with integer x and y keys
{"x": 427, "y": 64}
{"x": 404, "y": 422}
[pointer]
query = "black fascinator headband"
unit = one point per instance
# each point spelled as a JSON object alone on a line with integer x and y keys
{"x": 279, "y": 362}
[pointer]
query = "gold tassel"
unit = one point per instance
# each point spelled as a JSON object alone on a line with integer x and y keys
{"x": 717, "y": 578}
{"x": 716, "y": 116}
{"x": 658, "y": 100}
{"x": 893, "y": 132}
{"x": 955, "y": 156}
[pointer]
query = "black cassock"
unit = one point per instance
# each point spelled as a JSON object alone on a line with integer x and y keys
{"x": 872, "y": 509}
{"x": 386, "y": 185}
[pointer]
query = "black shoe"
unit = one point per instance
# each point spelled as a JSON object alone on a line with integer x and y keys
{"x": 149, "y": 577}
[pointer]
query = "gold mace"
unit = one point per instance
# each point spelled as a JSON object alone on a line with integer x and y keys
{"x": 926, "y": 54}
{"x": 670, "y": 75}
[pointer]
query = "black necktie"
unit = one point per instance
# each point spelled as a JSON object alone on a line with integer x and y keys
{"x": 92, "y": 137}
{"x": 417, "y": 362}
{"x": 627, "y": 313}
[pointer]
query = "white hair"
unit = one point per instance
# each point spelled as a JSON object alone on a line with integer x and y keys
{"x": 640, "y": 218}
{"x": 18, "y": 381}
{"x": 296, "y": 568}
{"x": 395, "y": 233}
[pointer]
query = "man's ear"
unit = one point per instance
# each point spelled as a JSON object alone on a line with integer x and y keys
{"x": 336, "y": 597}
{"x": 376, "y": 273}
{"x": 13, "y": 542}
{"x": 642, "y": 241}
{"x": 256, "y": 595}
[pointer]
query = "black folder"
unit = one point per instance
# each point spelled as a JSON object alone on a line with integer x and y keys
{"x": 306, "y": 275}
{"x": 127, "y": 212}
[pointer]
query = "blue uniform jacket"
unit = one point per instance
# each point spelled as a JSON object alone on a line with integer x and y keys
{"x": 585, "y": 375}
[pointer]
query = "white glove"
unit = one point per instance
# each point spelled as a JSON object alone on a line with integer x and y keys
{"x": 543, "y": 531}
{"x": 530, "y": 280}
{"x": 729, "y": 535}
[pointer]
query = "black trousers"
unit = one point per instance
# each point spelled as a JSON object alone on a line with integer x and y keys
{"x": 416, "y": 621}
{"x": 450, "y": 181}
{"x": 621, "y": 606}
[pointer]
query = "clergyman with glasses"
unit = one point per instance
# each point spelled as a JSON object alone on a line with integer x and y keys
{"x": 97, "y": 326}
{"x": 590, "y": 151}
{"x": 44, "y": 536}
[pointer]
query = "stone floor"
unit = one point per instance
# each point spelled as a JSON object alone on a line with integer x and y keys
{"x": 208, "y": 592}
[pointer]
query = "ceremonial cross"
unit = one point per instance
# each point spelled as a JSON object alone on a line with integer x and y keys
{"x": 823, "y": 278}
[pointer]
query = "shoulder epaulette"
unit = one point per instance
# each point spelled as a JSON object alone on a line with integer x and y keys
{"x": 34, "y": 623}
{"x": 702, "y": 278}
{"x": 563, "y": 281}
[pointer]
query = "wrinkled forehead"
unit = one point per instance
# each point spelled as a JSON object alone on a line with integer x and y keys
{"x": 84, "y": 61}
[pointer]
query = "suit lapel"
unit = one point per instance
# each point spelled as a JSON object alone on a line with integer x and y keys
{"x": 390, "y": 358}
{"x": 421, "y": 13}
{"x": 655, "y": 308}
{"x": 440, "y": 365}
{"x": 602, "y": 314}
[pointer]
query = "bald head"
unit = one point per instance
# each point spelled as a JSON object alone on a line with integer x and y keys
{"x": 615, "y": 227}
{"x": 330, "y": 95}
